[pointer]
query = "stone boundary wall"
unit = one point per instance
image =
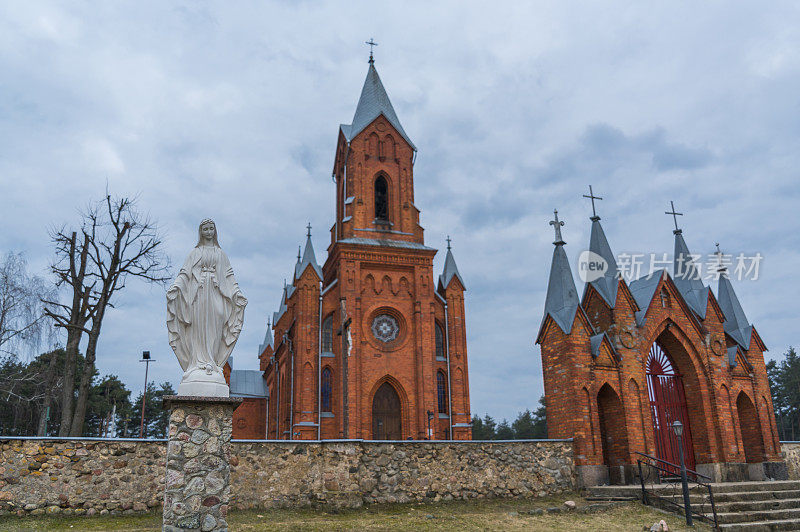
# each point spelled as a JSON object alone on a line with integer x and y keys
{"x": 790, "y": 450}
{"x": 91, "y": 476}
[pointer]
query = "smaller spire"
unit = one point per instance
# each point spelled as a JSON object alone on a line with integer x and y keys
{"x": 561, "y": 302}
{"x": 557, "y": 225}
{"x": 675, "y": 215}
{"x": 591, "y": 196}
{"x": 736, "y": 324}
{"x": 686, "y": 276}
{"x": 267, "y": 338}
{"x": 309, "y": 258}
{"x": 450, "y": 269}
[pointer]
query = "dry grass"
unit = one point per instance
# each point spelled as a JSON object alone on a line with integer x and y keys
{"x": 458, "y": 515}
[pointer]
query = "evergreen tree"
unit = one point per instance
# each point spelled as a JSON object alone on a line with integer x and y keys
{"x": 504, "y": 431}
{"x": 483, "y": 429}
{"x": 523, "y": 426}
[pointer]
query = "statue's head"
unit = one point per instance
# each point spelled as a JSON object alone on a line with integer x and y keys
{"x": 207, "y": 233}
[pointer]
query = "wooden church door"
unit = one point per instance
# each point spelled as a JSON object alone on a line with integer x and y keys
{"x": 667, "y": 405}
{"x": 386, "y": 418}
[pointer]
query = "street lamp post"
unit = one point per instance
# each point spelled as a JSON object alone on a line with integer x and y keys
{"x": 677, "y": 427}
{"x": 146, "y": 359}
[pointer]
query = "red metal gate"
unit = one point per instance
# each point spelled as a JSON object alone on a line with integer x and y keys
{"x": 667, "y": 405}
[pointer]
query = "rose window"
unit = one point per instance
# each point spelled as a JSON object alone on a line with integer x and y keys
{"x": 385, "y": 328}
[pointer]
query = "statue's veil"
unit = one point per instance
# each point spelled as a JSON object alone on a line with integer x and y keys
{"x": 200, "y": 233}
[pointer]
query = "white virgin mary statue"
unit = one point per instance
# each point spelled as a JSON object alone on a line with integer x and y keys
{"x": 205, "y": 312}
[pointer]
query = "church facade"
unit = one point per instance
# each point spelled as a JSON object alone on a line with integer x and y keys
{"x": 368, "y": 345}
{"x": 626, "y": 361}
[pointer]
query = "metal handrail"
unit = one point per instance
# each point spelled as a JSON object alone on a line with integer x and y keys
{"x": 671, "y": 487}
{"x": 677, "y": 466}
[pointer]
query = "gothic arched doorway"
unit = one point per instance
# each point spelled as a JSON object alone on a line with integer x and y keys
{"x": 613, "y": 433}
{"x": 386, "y": 415}
{"x": 751, "y": 429}
{"x": 667, "y": 405}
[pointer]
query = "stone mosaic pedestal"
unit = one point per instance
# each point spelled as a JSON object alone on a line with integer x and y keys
{"x": 197, "y": 486}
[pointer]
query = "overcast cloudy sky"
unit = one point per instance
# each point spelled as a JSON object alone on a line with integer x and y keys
{"x": 230, "y": 110}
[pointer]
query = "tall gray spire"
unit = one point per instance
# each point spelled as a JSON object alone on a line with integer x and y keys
{"x": 374, "y": 101}
{"x": 309, "y": 259}
{"x": 561, "y": 302}
{"x": 450, "y": 270}
{"x": 686, "y": 276}
{"x": 736, "y": 324}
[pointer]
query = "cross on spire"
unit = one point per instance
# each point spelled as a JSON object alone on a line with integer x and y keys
{"x": 308, "y": 234}
{"x": 592, "y": 197}
{"x": 720, "y": 267}
{"x": 448, "y": 242}
{"x": 371, "y": 42}
{"x": 557, "y": 225}
{"x": 674, "y": 216}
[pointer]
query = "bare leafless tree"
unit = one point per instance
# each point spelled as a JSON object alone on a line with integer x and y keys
{"x": 116, "y": 242}
{"x": 22, "y": 320}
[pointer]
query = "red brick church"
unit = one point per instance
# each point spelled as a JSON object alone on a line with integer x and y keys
{"x": 625, "y": 361}
{"x": 367, "y": 345}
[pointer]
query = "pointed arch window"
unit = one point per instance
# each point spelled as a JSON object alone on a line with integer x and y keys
{"x": 326, "y": 390}
{"x": 439, "y": 341}
{"x": 381, "y": 199}
{"x": 327, "y": 335}
{"x": 441, "y": 392}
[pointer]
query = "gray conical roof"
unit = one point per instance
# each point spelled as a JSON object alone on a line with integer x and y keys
{"x": 267, "y": 339}
{"x": 309, "y": 259}
{"x": 282, "y": 307}
{"x": 374, "y": 101}
{"x": 608, "y": 284}
{"x": 450, "y": 271}
{"x": 686, "y": 276}
{"x": 736, "y": 324}
{"x": 561, "y": 302}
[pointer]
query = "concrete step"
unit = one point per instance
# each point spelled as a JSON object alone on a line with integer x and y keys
{"x": 762, "y": 526}
{"x": 756, "y": 506}
{"x": 772, "y": 485}
{"x": 737, "y": 496}
{"x": 756, "y": 516}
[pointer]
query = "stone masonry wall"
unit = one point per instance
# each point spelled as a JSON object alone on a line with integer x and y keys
{"x": 791, "y": 455}
{"x": 124, "y": 477}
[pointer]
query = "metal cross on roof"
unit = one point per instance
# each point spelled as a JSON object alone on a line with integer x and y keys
{"x": 308, "y": 234}
{"x": 593, "y": 197}
{"x": 371, "y": 42}
{"x": 448, "y": 242}
{"x": 557, "y": 224}
{"x": 674, "y": 216}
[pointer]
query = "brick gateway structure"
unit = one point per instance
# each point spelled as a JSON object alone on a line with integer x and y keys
{"x": 366, "y": 346}
{"x": 627, "y": 360}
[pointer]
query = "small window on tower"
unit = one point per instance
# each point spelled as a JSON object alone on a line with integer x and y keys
{"x": 439, "y": 341}
{"x": 327, "y": 335}
{"x": 381, "y": 199}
